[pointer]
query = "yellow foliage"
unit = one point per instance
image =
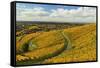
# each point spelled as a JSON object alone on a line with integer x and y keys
{"x": 40, "y": 53}
{"x": 24, "y": 40}
{"x": 82, "y": 39}
{"x": 84, "y": 43}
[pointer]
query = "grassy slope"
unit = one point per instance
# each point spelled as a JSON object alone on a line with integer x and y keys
{"x": 82, "y": 43}
{"x": 24, "y": 41}
{"x": 46, "y": 50}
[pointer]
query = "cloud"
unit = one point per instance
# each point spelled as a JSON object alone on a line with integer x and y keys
{"x": 30, "y": 14}
{"x": 82, "y": 14}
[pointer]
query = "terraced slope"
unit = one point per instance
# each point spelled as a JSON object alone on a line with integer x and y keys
{"x": 83, "y": 40}
{"x": 58, "y": 46}
{"x": 44, "y": 52}
{"x": 23, "y": 43}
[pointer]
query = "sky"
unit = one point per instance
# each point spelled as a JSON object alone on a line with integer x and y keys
{"x": 55, "y": 13}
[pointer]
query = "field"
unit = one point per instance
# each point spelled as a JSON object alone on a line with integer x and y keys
{"x": 55, "y": 43}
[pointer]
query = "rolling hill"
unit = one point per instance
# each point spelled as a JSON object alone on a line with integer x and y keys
{"x": 73, "y": 44}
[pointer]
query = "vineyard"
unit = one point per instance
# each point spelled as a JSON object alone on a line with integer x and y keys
{"x": 68, "y": 44}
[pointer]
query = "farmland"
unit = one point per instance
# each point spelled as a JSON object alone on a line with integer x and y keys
{"x": 55, "y": 43}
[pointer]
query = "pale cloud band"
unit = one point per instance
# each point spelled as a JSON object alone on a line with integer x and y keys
{"x": 81, "y": 14}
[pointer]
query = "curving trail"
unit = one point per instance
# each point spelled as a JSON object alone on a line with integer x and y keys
{"x": 83, "y": 48}
{"x": 43, "y": 53}
{"x": 64, "y": 51}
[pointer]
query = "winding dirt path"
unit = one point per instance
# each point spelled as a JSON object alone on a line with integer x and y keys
{"x": 44, "y": 53}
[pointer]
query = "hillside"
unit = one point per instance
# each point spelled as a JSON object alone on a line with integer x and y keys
{"x": 58, "y": 46}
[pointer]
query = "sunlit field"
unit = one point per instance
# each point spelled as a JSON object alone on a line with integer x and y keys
{"x": 55, "y": 43}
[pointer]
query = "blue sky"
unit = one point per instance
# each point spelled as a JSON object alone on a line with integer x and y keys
{"x": 47, "y": 7}
{"x": 54, "y": 13}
